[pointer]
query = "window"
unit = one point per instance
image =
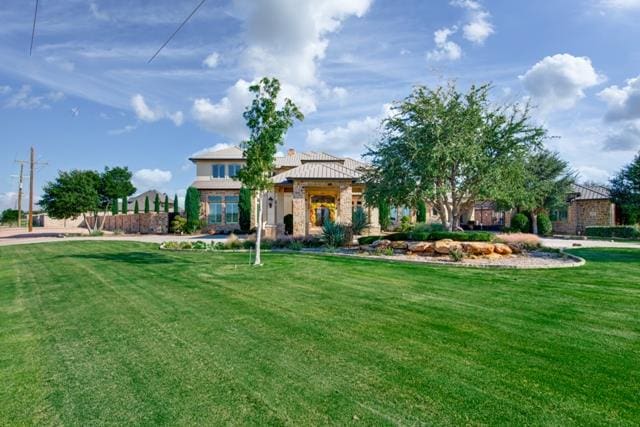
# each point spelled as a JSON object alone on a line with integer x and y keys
{"x": 217, "y": 170}
{"x": 215, "y": 210}
{"x": 233, "y": 170}
{"x": 231, "y": 207}
{"x": 559, "y": 215}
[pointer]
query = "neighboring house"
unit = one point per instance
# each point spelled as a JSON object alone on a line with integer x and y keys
{"x": 152, "y": 197}
{"x": 588, "y": 205}
{"x": 310, "y": 186}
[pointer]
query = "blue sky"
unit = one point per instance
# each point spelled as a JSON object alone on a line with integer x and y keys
{"x": 87, "y": 98}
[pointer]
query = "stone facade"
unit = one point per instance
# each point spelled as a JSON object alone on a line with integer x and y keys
{"x": 143, "y": 223}
{"x": 586, "y": 213}
{"x": 204, "y": 211}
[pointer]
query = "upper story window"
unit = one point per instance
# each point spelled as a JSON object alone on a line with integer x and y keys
{"x": 233, "y": 169}
{"x": 217, "y": 170}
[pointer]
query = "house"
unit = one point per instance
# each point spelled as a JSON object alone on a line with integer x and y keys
{"x": 151, "y": 194}
{"x": 588, "y": 205}
{"x": 310, "y": 186}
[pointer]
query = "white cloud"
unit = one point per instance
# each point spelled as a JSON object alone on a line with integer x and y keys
{"x": 219, "y": 146}
{"x": 120, "y": 131}
{"x": 146, "y": 179}
{"x": 5, "y": 90}
{"x": 558, "y": 82}
{"x": 445, "y": 48}
{"x": 212, "y": 60}
{"x": 627, "y": 139}
{"x": 592, "y": 174}
{"x": 478, "y": 28}
{"x": 623, "y": 102}
{"x": 350, "y": 139}
{"x": 620, "y": 4}
{"x": 147, "y": 114}
{"x": 8, "y": 200}
{"x": 24, "y": 99}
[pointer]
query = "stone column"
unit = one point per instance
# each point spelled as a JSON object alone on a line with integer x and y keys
{"x": 344, "y": 207}
{"x": 374, "y": 219}
{"x": 299, "y": 211}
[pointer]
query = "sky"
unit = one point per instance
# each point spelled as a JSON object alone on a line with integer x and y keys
{"x": 87, "y": 97}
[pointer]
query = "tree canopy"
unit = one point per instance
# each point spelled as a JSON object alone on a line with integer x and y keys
{"x": 452, "y": 149}
{"x": 625, "y": 191}
{"x": 267, "y": 125}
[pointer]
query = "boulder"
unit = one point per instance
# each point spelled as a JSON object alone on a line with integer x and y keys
{"x": 399, "y": 245}
{"x": 381, "y": 244}
{"x": 366, "y": 248}
{"x": 515, "y": 248}
{"x": 502, "y": 249}
{"x": 420, "y": 247}
{"x": 444, "y": 246}
{"x": 478, "y": 248}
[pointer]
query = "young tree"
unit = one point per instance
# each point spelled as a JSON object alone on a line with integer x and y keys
{"x": 384, "y": 212}
{"x": 176, "y": 208}
{"x": 156, "y": 204}
{"x": 114, "y": 207}
{"x": 450, "y": 149}
{"x": 136, "y": 208}
{"x": 125, "y": 205}
{"x": 625, "y": 191}
{"x": 268, "y": 125}
{"x": 146, "y": 204}
{"x": 73, "y": 194}
{"x": 547, "y": 183}
{"x": 244, "y": 209}
{"x": 166, "y": 203}
{"x": 192, "y": 209}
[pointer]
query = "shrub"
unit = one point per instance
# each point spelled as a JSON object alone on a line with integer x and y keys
{"x": 405, "y": 223}
{"x": 428, "y": 228}
{"x": 520, "y": 222}
{"x": 421, "y": 211}
{"x": 385, "y": 251}
{"x": 623, "y": 231}
{"x": 146, "y": 204}
{"x": 460, "y": 236}
{"x": 358, "y": 220}
{"x": 171, "y": 245}
{"x": 296, "y": 245}
{"x": 178, "y": 224}
{"x": 244, "y": 209}
{"x": 233, "y": 242}
{"x": 249, "y": 244}
{"x": 136, "y": 209}
{"x": 288, "y": 224}
{"x": 396, "y": 237}
{"x": 266, "y": 244}
{"x": 125, "y": 205}
{"x": 385, "y": 215}
{"x": 114, "y": 207}
{"x": 192, "y": 209}
{"x": 186, "y": 245}
{"x": 156, "y": 204}
{"x": 176, "y": 208}
{"x": 200, "y": 245}
{"x": 367, "y": 240}
{"x": 545, "y": 228}
{"x": 456, "y": 254}
{"x": 336, "y": 235}
{"x": 166, "y": 203}
{"x": 96, "y": 233}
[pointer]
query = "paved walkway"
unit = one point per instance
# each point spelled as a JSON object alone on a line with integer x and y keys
{"x": 573, "y": 243}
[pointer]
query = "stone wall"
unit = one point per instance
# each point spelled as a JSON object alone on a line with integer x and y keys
{"x": 586, "y": 213}
{"x": 143, "y": 223}
{"x": 204, "y": 211}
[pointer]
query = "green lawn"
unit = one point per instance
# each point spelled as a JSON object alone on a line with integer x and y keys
{"x": 117, "y": 333}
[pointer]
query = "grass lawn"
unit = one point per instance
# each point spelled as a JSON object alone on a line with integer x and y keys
{"x": 118, "y": 332}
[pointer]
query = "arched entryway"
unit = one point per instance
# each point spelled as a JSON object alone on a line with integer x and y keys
{"x": 323, "y": 208}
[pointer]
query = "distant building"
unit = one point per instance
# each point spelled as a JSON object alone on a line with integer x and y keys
{"x": 588, "y": 205}
{"x": 152, "y": 197}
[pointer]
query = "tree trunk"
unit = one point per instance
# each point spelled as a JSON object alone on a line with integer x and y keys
{"x": 534, "y": 222}
{"x": 86, "y": 223}
{"x": 259, "y": 230}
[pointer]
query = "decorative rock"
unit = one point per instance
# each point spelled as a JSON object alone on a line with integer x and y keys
{"x": 366, "y": 248}
{"x": 515, "y": 248}
{"x": 444, "y": 246}
{"x": 399, "y": 245}
{"x": 478, "y": 248}
{"x": 420, "y": 247}
{"x": 502, "y": 249}
{"x": 381, "y": 244}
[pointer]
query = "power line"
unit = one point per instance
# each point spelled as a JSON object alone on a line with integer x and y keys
{"x": 33, "y": 30}
{"x": 176, "y": 31}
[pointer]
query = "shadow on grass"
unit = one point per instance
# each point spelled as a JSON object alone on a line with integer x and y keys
{"x": 144, "y": 258}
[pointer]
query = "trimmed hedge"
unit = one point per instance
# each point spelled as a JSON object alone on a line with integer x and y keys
{"x": 623, "y": 231}
{"x": 458, "y": 236}
{"x": 545, "y": 228}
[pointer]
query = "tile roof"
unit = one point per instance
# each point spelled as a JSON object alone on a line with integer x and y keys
{"x": 590, "y": 192}
{"x": 229, "y": 153}
{"x": 317, "y": 170}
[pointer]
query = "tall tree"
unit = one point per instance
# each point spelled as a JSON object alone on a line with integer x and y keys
{"x": 451, "y": 149}
{"x": 547, "y": 183}
{"x": 192, "y": 209}
{"x": 176, "y": 208}
{"x": 114, "y": 207}
{"x": 125, "y": 205}
{"x": 166, "y": 203}
{"x": 267, "y": 125}
{"x": 625, "y": 191}
{"x": 156, "y": 204}
{"x": 146, "y": 204}
{"x": 114, "y": 183}
{"x": 136, "y": 208}
{"x": 73, "y": 194}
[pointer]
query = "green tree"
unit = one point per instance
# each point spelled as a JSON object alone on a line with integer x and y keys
{"x": 114, "y": 183}
{"x": 156, "y": 204}
{"x": 176, "y": 208}
{"x": 547, "y": 183}
{"x": 125, "y": 205}
{"x": 450, "y": 149}
{"x": 384, "y": 213}
{"x": 10, "y": 216}
{"x": 73, "y": 194}
{"x": 421, "y": 211}
{"x": 166, "y": 203}
{"x": 114, "y": 207}
{"x": 625, "y": 191}
{"x": 146, "y": 204}
{"x": 136, "y": 208}
{"x": 192, "y": 209}
{"x": 268, "y": 125}
{"x": 244, "y": 209}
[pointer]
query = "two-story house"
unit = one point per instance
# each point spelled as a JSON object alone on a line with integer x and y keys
{"x": 310, "y": 186}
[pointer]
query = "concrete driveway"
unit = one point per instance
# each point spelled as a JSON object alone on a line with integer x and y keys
{"x": 575, "y": 243}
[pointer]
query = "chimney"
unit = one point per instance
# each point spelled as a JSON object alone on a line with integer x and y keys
{"x": 291, "y": 152}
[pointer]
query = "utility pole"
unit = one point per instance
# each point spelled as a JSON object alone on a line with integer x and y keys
{"x": 20, "y": 183}
{"x": 32, "y": 172}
